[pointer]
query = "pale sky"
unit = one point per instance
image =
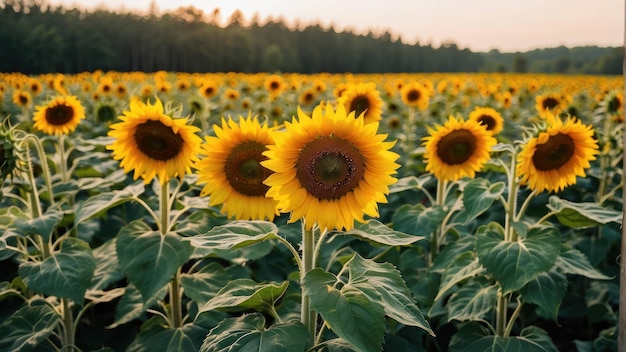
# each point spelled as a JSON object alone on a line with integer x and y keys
{"x": 480, "y": 25}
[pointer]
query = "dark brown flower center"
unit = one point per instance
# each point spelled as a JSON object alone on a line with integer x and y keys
{"x": 615, "y": 104}
{"x": 244, "y": 171}
{"x": 329, "y": 167}
{"x": 59, "y": 115}
{"x": 554, "y": 153}
{"x": 456, "y": 147}
{"x": 23, "y": 99}
{"x": 550, "y": 103}
{"x": 274, "y": 85}
{"x": 488, "y": 121}
{"x": 158, "y": 141}
{"x": 209, "y": 91}
{"x": 413, "y": 95}
{"x": 359, "y": 104}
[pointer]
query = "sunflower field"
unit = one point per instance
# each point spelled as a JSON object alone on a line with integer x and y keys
{"x": 172, "y": 211}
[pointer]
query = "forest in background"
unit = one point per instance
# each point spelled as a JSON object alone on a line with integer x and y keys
{"x": 36, "y": 37}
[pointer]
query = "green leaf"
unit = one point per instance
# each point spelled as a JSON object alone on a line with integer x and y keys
{"x": 108, "y": 269}
{"x": 514, "y": 264}
{"x": 43, "y": 225}
{"x": 464, "y": 267}
{"x": 246, "y": 294}
{"x": 384, "y": 278}
{"x": 375, "y": 231}
{"x": 472, "y": 338}
{"x": 67, "y": 273}
{"x": 132, "y": 306}
{"x": 547, "y": 291}
{"x": 235, "y": 234}
{"x": 410, "y": 182}
{"x": 417, "y": 219}
{"x": 573, "y": 261}
{"x": 473, "y": 300}
{"x": 204, "y": 285}
{"x": 27, "y": 328}
{"x": 349, "y": 313}
{"x": 156, "y": 337}
{"x": 478, "y": 196}
{"x": 95, "y": 205}
{"x": 582, "y": 215}
{"x": 148, "y": 258}
{"x": 248, "y": 333}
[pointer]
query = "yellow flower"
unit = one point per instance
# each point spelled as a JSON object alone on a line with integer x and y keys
{"x": 59, "y": 116}
{"x": 415, "y": 95}
{"x": 457, "y": 149}
{"x": 363, "y": 98}
{"x": 549, "y": 103}
{"x": 275, "y": 85}
{"x": 330, "y": 168}
{"x": 488, "y": 117}
{"x": 232, "y": 171}
{"x": 154, "y": 144}
{"x": 552, "y": 160}
{"x": 22, "y": 98}
{"x": 208, "y": 89}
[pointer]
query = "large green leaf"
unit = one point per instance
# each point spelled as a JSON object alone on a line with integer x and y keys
{"x": 573, "y": 261}
{"x": 95, "y": 205}
{"x": 478, "y": 196}
{"x": 131, "y": 306}
{"x": 154, "y": 336}
{"x": 349, "y": 313}
{"x": 473, "y": 300}
{"x": 43, "y": 225}
{"x": 108, "y": 269}
{"x": 374, "y": 230}
{"x": 367, "y": 275}
{"x": 464, "y": 267}
{"x": 149, "y": 258}
{"x": 248, "y": 334}
{"x": 582, "y": 215}
{"x": 246, "y": 294}
{"x": 27, "y": 328}
{"x": 514, "y": 264}
{"x": 472, "y": 338}
{"x": 67, "y": 273}
{"x": 547, "y": 291}
{"x": 418, "y": 219}
{"x": 203, "y": 285}
{"x": 235, "y": 234}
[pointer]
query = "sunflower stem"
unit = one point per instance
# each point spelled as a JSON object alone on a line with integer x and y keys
{"x": 68, "y": 323}
{"x": 501, "y": 309}
{"x": 308, "y": 317}
{"x": 409, "y": 131}
{"x": 439, "y": 201}
{"x": 164, "y": 205}
{"x": 44, "y": 166}
{"x": 510, "y": 214}
{"x": 62, "y": 158}
{"x": 176, "y": 301}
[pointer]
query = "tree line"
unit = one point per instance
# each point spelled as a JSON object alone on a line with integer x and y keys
{"x": 36, "y": 37}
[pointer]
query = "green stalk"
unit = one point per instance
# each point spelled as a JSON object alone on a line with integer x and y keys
{"x": 501, "y": 309}
{"x": 440, "y": 201}
{"x": 63, "y": 158}
{"x": 176, "y": 304}
{"x": 68, "y": 323}
{"x": 308, "y": 317}
{"x": 44, "y": 165}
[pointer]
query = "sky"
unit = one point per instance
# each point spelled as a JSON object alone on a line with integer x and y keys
{"x": 479, "y": 25}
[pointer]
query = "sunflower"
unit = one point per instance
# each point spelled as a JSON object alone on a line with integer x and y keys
{"x": 154, "y": 144}
{"x": 415, "y": 95}
{"x": 488, "y": 117}
{"x": 106, "y": 86}
{"x": 549, "y": 103}
{"x": 457, "y": 149}
{"x": 552, "y": 160}
{"x": 34, "y": 86}
{"x": 22, "y": 98}
{"x": 59, "y": 116}
{"x": 363, "y": 98}
{"x": 230, "y": 167}
{"x": 330, "y": 169}
{"x": 275, "y": 85}
{"x": 208, "y": 89}
{"x": 307, "y": 97}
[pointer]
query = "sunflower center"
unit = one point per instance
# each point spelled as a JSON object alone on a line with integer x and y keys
{"x": 274, "y": 85}
{"x": 554, "y": 153}
{"x": 413, "y": 95}
{"x": 328, "y": 167}
{"x": 209, "y": 91}
{"x": 359, "y": 104}
{"x": 615, "y": 104}
{"x": 158, "y": 141}
{"x": 488, "y": 121}
{"x": 550, "y": 103}
{"x": 244, "y": 171}
{"x": 456, "y": 147}
{"x": 59, "y": 115}
{"x": 23, "y": 99}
